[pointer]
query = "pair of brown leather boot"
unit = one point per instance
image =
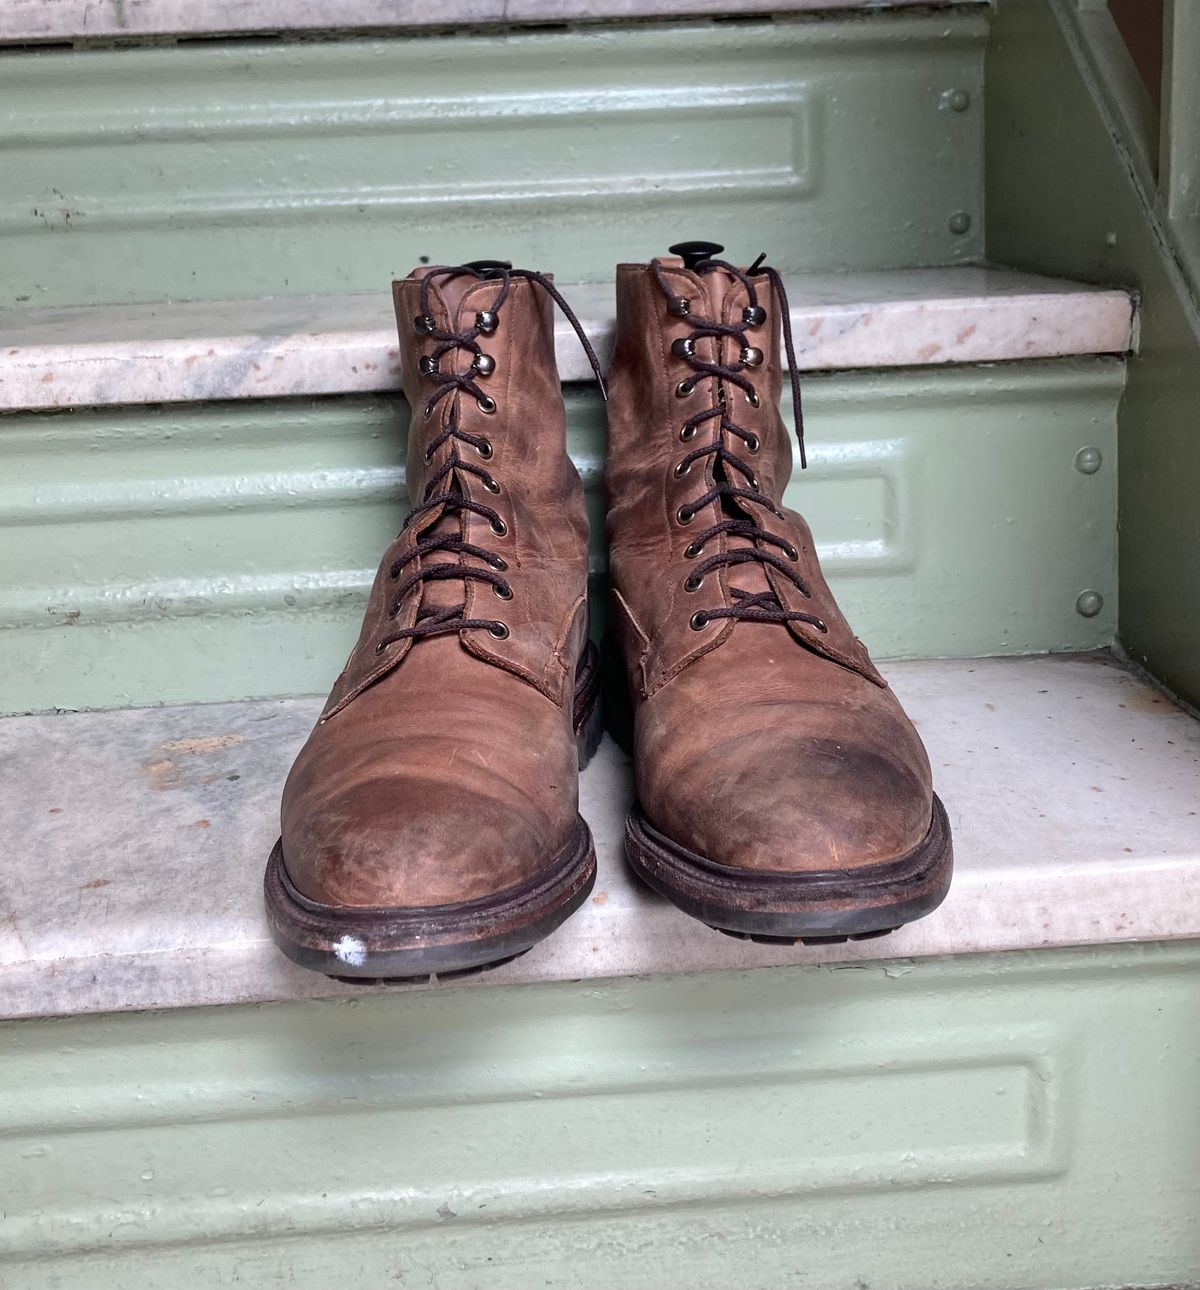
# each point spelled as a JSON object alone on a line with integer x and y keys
{"x": 430, "y": 823}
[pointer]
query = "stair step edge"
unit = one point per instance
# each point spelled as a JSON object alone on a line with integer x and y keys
{"x": 288, "y": 347}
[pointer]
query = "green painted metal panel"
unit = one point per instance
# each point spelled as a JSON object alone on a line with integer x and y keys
{"x": 188, "y": 554}
{"x": 995, "y": 1122}
{"x": 257, "y": 168}
{"x": 1064, "y": 196}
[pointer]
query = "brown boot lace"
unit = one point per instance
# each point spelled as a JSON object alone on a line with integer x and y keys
{"x": 749, "y": 606}
{"x": 443, "y": 493}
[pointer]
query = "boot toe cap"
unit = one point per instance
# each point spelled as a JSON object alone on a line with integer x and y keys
{"x": 385, "y": 843}
{"x": 797, "y": 804}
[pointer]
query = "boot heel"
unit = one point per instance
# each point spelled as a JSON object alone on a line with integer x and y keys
{"x": 589, "y": 707}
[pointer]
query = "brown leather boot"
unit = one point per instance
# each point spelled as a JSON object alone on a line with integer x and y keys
{"x": 782, "y": 791}
{"x": 431, "y": 823}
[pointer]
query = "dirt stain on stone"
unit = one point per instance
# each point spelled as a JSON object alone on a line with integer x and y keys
{"x": 205, "y": 744}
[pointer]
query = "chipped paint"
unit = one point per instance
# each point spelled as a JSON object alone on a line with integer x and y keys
{"x": 351, "y": 951}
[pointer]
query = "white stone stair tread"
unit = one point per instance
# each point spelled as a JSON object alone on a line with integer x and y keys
{"x": 133, "y": 354}
{"x": 135, "y": 842}
{"x": 37, "y": 20}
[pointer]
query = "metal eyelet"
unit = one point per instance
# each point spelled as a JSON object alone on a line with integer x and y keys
{"x": 485, "y": 449}
{"x": 499, "y": 528}
{"x": 684, "y": 516}
{"x": 424, "y": 324}
{"x": 505, "y": 593}
{"x": 687, "y": 434}
{"x": 691, "y": 551}
{"x": 498, "y": 562}
{"x": 380, "y": 648}
{"x": 753, "y": 443}
{"x": 484, "y": 365}
{"x": 498, "y": 630}
{"x": 490, "y": 484}
{"x": 486, "y": 404}
{"x": 753, "y": 316}
{"x": 693, "y": 583}
{"x": 753, "y": 399}
{"x": 679, "y": 306}
{"x": 751, "y": 356}
{"x": 428, "y": 411}
{"x": 791, "y": 552}
{"x": 684, "y": 389}
{"x": 698, "y": 621}
{"x": 486, "y": 321}
{"x": 427, "y": 365}
{"x": 684, "y": 347}
{"x": 682, "y": 469}
{"x": 752, "y": 483}
{"x": 823, "y": 628}
{"x": 428, "y": 455}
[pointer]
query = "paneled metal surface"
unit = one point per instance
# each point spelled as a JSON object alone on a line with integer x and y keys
{"x": 224, "y": 551}
{"x": 266, "y": 168}
{"x": 1006, "y": 1122}
{"x": 1066, "y": 197}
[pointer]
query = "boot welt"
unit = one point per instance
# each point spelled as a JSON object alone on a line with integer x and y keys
{"x": 414, "y": 943}
{"x": 813, "y": 907}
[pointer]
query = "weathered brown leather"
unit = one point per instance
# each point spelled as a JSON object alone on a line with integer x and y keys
{"x": 762, "y": 746}
{"x": 444, "y": 769}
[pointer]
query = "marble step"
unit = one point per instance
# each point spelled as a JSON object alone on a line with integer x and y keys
{"x": 132, "y": 354}
{"x": 136, "y": 841}
{"x": 37, "y": 20}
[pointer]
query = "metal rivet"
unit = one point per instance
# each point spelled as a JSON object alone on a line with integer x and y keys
{"x": 957, "y": 100}
{"x": 427, "y": 365}
{"x": 486, "y": 322}
{"x": 751, "y": 356}
{"x": 754, "y": 316}
{"x": 684, "y": 347}
{"x": 679, "y": 306}
{"x": 484, "y": 364}
{"x": 959, "y": 222}
{"x": 423, "y": 324}
{"x": 1089, "y": 603}
{"x": 1088, "y": 460}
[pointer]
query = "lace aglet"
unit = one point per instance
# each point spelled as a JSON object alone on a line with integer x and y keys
{"x": 803, "y": 454}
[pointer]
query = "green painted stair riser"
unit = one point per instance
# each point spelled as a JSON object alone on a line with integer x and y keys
{"x": 981, "y": 1123}
{"x": 196, "y": 553}
{"x": 259, "y": 168}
